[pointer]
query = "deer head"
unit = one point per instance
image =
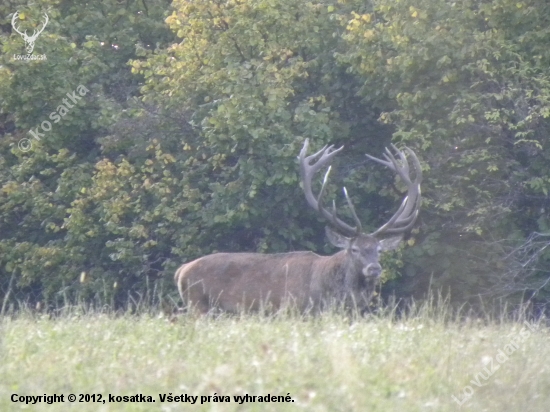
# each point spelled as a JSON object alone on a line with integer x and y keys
{"x": 363, "y": 249}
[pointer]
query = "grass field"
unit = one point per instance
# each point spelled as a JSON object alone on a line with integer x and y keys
{"x": 328, "y": 363}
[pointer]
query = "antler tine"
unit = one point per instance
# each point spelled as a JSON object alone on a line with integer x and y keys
{"x": 409, "y": 222}
{"x": 414, "y": 203}
{"x": 320, "y": 152}
{"x": 324, "y": 155}
{"x": 358, "y": 225}
{"x": 383, "y": 162}
{"x": 385, "y": 227}
{"x": 323, "y": 186}
{"x": 391, "y": 161}
{"x": 402, "y": 171}
{"x": 333, "y": 209}
{"x": 333, "y": 218}
{"x": 307, "y": 170}
{"x": 403, "y": 219}
{"x": 417, "y": 166}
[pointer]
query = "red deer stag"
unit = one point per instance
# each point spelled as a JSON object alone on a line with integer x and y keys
{"x": 252, "y": 281}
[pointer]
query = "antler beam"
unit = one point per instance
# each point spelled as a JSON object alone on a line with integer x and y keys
{"x": 322, "y": 158}
{"x": 404, "y": 218}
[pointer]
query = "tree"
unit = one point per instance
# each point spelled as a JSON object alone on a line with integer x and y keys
{"x": 468, "y": 83}
{"x": 86, "y": 45}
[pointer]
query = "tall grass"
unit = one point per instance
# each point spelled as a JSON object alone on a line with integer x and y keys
{"x": 415, "y": 360}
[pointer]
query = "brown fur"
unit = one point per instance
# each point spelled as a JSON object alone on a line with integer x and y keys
{"x": 251, "y": 281}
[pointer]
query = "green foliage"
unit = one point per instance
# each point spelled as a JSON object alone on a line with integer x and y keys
{"x": 86, "y": 45}
{"x": 186, "y": 142}
{"x": 466, "y": 83}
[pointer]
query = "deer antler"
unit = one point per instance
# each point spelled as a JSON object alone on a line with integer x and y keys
{"x": 401, "y": 221}
{"x": 307, "y": 170}
{"x": 404, "y": 218}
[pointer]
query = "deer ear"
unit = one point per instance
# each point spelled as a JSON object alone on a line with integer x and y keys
{"x": 390, "y": 243}
{"x": 336, "y": 238}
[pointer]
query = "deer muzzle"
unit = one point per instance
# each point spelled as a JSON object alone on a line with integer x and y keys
{"x": 373, "y": 270}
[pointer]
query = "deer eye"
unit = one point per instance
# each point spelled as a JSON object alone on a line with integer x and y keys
{"x": 355, "y": 249}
